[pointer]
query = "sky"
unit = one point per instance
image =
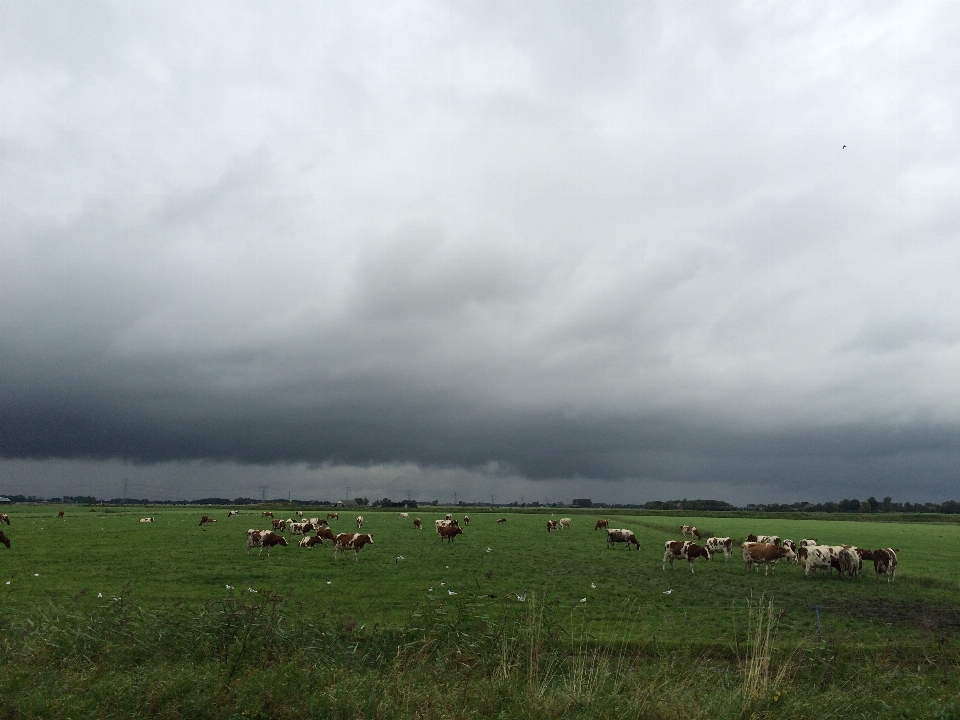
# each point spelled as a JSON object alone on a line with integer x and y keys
{"x": 513, "y": 250}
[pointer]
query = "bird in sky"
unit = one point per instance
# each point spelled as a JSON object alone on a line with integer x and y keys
{"x": 844, "y": 147}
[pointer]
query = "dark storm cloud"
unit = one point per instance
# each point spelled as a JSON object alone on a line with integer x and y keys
{"x": 588, "y": 243}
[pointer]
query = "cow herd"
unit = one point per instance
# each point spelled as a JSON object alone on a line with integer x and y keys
{"x": 768, "y": 550}
{"x": 756, "y": 550}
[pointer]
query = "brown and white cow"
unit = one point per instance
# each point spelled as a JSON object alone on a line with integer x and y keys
{"x": 566, "y": 522}
{"x": 233, "y": 513}
{"x": 466, "y": 519}
{"x": 147, "y": 520}
{"x": 404, "y": 516}
{"x": 279, "y": 525}
{"x": 552, "y": 525}
{"x": 359, "y": 521}
{"x": 266, "y": 513}
{"x": 720, "y": 544}
{"x": 766, "y": 554}
{"x": 621, "y": 535}
{"x": 819, "y": 557}
{"x": 60, "y": 515}
{"x": 683, "y": 550}
{"x": 300, "y": 528}
{"x": 4, "y": 539}
{"x": 206, "y": 519}
{"x": 437, "y": 524}
{"x": 601, "y": 524}
{"x": 316, "y": 522}
{"x": 4, "y": 518}
{"x": 449, "y": 532}
{"x": 500, "y": 521}
{"x": 333, "y": 516}
{"x": 807, "y": 542}
{"x": 691, "y": 531}
{"x": 354, "y": 541}
{"x": 264, "y": 539}
{"x": 299, "y": 513}
{"x": 885, "y": 562}
{"x": 326, "y": 533}
{"x": 769, "y": 539}
{"x": 448, "y": 516}
{"x": 309, "y": 542}
{"x": 417, "y": 524}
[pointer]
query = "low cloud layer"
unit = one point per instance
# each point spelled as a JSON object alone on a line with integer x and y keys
{"x": 604, "y": 246}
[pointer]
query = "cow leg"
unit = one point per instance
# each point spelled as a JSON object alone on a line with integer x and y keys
{"x": 691, "y": 567}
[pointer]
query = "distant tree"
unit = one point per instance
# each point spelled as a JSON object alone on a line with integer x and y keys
{"x": 582, "y": 502}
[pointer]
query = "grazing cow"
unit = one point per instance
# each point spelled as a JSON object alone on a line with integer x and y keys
{"x": 359, "y": 521}
{"x": 767, "y": 554}
{"x": 206, "y": 519}
{"x": 233, "y": 513}
{"x": 884, "y": 562}
{"x": 309, "y": 542}
{"x": 4, "y": 539}
{"x": 300, "y": 528}
{"x": 326, "y": 533}
{"x": 449, "y": 532}
{"x": 351, "y": 540}
{"x": 466, "y": 519}
{"x": 266, "y": 513}
{"x": 264, "y": 539}
{"x": 448, "y": 516}
{"x": 279, "y": 525}
{"x": 404, "y": 516}
{"x": 620, "y": 535}
{"x": 149, "y": 519}
{"x": 333, "y": 516}
{"x": 60, "y": 515}
{"x": 551, "y": 525}
{"x": 691, "y": 531}
{"x": 720, "y": 544}
{"x": 683, "y": 550}
{"x": 4, "y": 518}
{"x": 751, "y": 538}
{"x": 769, "y": 539}
{"x": 500, "y": 521}
{"x": 417, "y": 524}
{"x": 808, "y": 543}
{"x": 601, "y": 524}
{"x": 566, "y": 522}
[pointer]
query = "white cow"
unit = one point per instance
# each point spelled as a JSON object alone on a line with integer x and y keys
{"x": 149, "y": 519}
{"x": 404, "y": 516}
{"x": 565, "y": 522}
{"x": 720, "y": 544}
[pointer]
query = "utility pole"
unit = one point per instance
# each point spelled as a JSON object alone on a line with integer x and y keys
{"x": 263, "y": 493}
{"x": 454, "y": 497}
{"x": 126, "y": 491}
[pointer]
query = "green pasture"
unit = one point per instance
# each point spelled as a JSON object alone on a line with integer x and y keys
{"x": 616, "y": 593}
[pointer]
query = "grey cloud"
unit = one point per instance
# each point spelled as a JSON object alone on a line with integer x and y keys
{"x": 596, "y": 244}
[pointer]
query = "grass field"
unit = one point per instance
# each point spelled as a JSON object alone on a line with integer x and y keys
{"x": 580, "y": 595}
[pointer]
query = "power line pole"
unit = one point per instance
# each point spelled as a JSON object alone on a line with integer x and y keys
{"x": 263, "y": 493}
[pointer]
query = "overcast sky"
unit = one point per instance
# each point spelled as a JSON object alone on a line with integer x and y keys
{"x": 550, "y": 249}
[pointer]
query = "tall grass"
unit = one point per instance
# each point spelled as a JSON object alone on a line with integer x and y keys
{"x": 261, "y": 656}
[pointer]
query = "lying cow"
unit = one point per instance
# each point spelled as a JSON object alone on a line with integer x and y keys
{"x": 691, "y": 531}
{"x": 601, "y": 524}
{"x": 206, "y": 519}
{"x": 449, "y": 532}
{"x": 720, "y": 544}
{"x": 767, "y": 554}
{"x": 149, "y": 519}
{"x": 500, "y": 521}
{"x": 683, "y": 550}
{"x": 309, "y": 542}
{"x": 264, "y": 539}
{"x": 621, "y": 535}
{"x": 233, "y": 513}
{"x": 4, "y": 539}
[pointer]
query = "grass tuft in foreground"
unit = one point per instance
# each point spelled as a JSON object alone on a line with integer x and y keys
{"x": 260, "y": 656}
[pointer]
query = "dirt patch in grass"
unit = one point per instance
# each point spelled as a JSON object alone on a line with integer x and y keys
{"x": 928, "y": 615}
